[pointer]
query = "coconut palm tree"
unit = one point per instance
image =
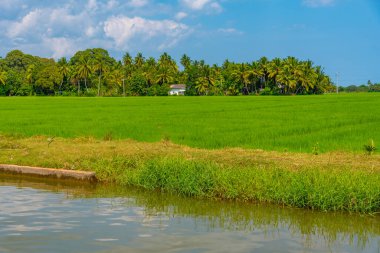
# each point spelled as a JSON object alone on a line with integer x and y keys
{"x": 29, "y": 73}
{"x": 100, "y": 66}
{"x": 84, "y": 69}
{"x": 185, "y": 61}
{"x": 202, "y": 85}
{"x": 64, "y": 70}
{"x": 74, "y": 77}
{"x": 116, "y": 77}
{"x": 127, "y": 60}
{"x": 164, "y": 75}
{"x": 308, "y": 77}
{"x": 263, "y": 64}
{"x": 167, "y": 69}
{"x": 139, "y": 60}
{"x": 274, "y": 68}
{"x": 3, "y": 77}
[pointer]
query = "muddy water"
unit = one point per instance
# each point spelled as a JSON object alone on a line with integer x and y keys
{"x": 41, "y": 215}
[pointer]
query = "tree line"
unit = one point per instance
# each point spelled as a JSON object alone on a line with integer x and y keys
{"x": 93, "y": 72}
{"x": 369, "y": 87}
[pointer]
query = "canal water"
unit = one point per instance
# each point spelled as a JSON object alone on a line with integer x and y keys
{"x": 41, "y": 215}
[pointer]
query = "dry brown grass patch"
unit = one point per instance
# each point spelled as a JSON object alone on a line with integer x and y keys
{"x": 70, "y": 154}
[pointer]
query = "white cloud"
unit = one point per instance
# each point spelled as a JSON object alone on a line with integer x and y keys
{"x": 61, "y": 29}
{"x": 318, "y": 3}
{"x": 92, "y": 5}
{"x": 198, "y": 5}
{"x": 112, "y": 4}
{"x": 181, "y": 15}
{"x": 230, "y": 31}
{"x": 90, "y": 31}
{"x": 123, "y": 30}
{"x": 27, "y": 22}
{"x": 215, "y": 6}
{"x": 8, "y": 4}
{"x": 60, "y": 47}
{"x": 138, "y": 3}
{"x": 53, "y": 22}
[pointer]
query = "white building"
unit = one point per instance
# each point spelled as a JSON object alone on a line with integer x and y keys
{"x": 177, "y": 89}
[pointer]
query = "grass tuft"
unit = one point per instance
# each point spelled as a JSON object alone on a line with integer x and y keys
{"x": 370, "y": 147}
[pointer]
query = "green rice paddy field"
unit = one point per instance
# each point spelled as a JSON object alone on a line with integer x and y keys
{"x": 291, "y": 123}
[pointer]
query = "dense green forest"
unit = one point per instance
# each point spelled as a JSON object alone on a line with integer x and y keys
{"x": 93, "y": 72}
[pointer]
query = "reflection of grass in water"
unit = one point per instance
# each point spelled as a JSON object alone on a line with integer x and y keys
{"x": 231, "y": 215}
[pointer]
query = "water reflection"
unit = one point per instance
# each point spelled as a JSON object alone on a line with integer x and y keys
{"x": 41, "y": 215}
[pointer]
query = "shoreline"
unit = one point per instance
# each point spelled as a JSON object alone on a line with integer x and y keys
{"x": 327, "y": 182}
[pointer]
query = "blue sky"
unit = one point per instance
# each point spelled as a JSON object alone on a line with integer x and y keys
{"x": 341, "y": 35}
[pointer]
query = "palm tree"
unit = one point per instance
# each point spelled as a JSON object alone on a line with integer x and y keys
{"x": 308, "y": 78}
{"x": 164, "y": 76}
{"x": 263, "y": 70}
{"x": 167, "y": 69}
{"x": 185, "y": 61}
{"x": 64, "y": 70}
{"x": 74, "y": 77}
{"x": 206, "y": 81}
{"x": 3, "y": 77}
{"x": 274, "y": 68}
{"x": 84, "y": 69}
{"x": 29, "y": 73}
{"x": 127, "y": 60}
{"x": 150, "y": 71}
{"x": 323, "y": 82}
{"x": 116, "y": 77}
{"x": 287, "y": 79}
{"x": 100, "y": 67}
{"x": 245, "y": 75}
{"x": 202, "y": 85}
{"x": 139, "y": 60}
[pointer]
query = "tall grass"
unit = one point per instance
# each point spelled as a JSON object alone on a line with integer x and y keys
{"x": 294, "y": 123}
{"x": 321, "y": 189}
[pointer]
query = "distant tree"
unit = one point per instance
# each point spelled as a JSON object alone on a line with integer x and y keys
{"x": 17, "y": 60}
{"x": 141, "y": 76}
{"x": 48, "y": 79}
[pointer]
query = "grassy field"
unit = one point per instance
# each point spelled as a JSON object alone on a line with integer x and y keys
{"x": 293, "y": 123}
{"x": 237, "y": 148}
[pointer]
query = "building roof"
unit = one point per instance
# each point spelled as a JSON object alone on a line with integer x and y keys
{"x": 178, "y": 86}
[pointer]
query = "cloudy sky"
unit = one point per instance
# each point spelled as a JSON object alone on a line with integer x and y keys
{"x": 341, "y": 35}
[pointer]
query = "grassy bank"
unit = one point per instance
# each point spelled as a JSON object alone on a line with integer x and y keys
{"x": 329, "y": 181}
{"x": 306, "y": 188}
{"x": 293, "y": 123}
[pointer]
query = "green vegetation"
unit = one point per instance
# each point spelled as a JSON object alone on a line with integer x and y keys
{"x": 327, "y": 168}
{"x": 93, "y": 72}
{"x": 292, "y": 123}
{"x": 330, "y": 181}
{"x": 369, "y": 87}
{"x": 344, "y": 190}
{"x": 370, "y": 147}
